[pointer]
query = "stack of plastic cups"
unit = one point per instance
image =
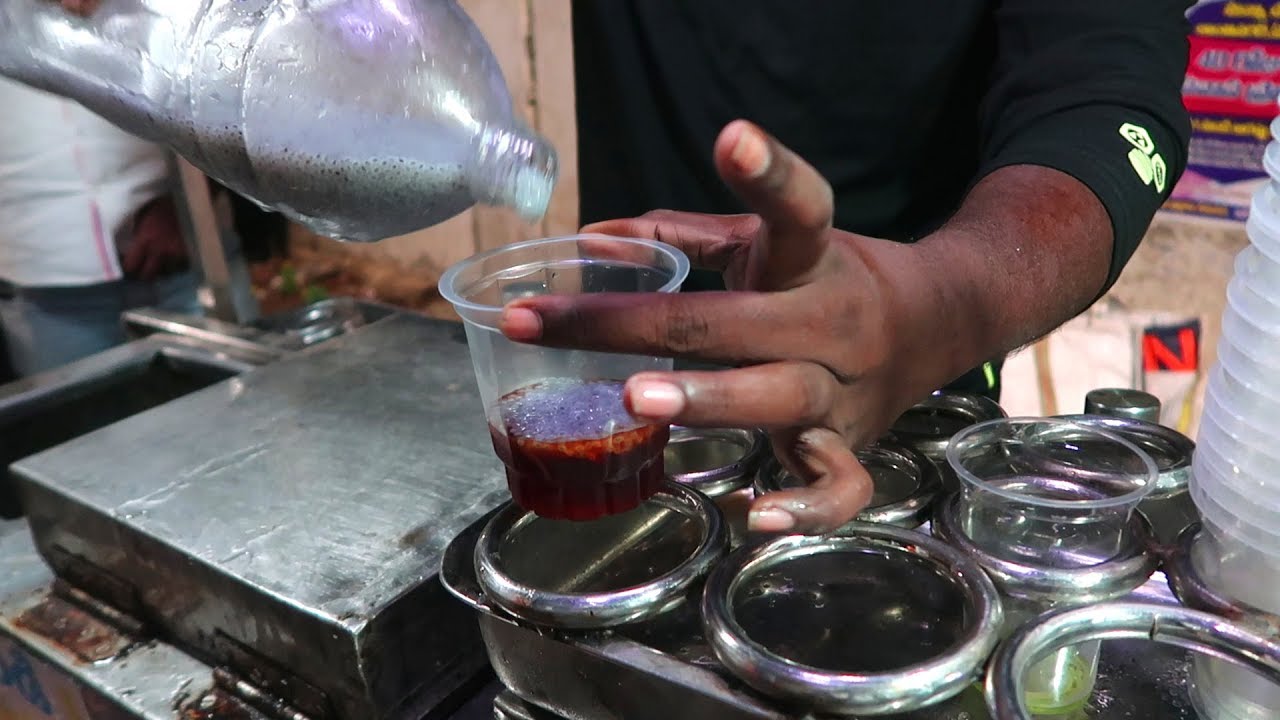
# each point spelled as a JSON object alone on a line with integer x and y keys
{"x": 1236, "y": 471}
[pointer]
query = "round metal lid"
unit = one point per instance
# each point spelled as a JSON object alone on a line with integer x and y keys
{"x": 1171, "y": 451}
{"x": 906, "y": 484}
{"x": 714, "y": 462}
{"x": 929, "y": 425}
{"x": 1192, "y": 590}
{"x": 1080, "y": 585}
{"x": 1190, "y": 629}
{"x": 1123, "y": 402}
{"x": 875, "y": 620}
{"x": 603, "y": 573}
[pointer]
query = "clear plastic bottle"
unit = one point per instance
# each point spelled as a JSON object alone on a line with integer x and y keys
{"x": 361, "y": 119}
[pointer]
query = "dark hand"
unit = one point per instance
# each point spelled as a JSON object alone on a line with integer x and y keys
{"x": 819, "y": 322}
{"x": 157, "y": 247}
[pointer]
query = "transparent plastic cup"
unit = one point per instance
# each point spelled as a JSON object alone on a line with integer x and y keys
{"x": 1240, "y": 463}
{"x": 1262, "y": 267}
{"x": 1242, "y": 364}
{"x": 1220, "y": 689}
{"x": 571, "y": 450}
{"x": 1263, "y": 225}
{"x": 1261, "y": 314}
{"x": 1053, "y": 492}
{"x": 1257, "y": 463}
{"x": 1247, "y": 431}
{"x": 1050, "y": 493}
{"x": 1234, "y": 396}
{"x": 1245, "y": 375}
{"x": 1222, "y": 511}
{"x": 1246, "y": 272}
{"x": 1243, "y": 571}
{"x": 1230, "y": 487}
{"x": 1257, "y": 393}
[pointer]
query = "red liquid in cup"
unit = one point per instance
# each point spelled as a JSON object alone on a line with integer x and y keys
{"x": 574, "y": 453}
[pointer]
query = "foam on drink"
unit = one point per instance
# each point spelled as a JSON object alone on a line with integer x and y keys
{"x": 573, "y": 451}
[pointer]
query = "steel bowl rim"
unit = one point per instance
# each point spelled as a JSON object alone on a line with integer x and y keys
{"x": 911, "y": 512}
{"x": 968, "y": 479}
{"x": 1168, "y": 482}
{"x": 1191, "y": 589}
{"x": 1092, "y": 584}
{"x": 594, "y": 611}
{"x": 895, "y": 691}
{"x": 1192, "y": 630}
{"x": 718, "y": 481}
{"x": 979, "y": 408}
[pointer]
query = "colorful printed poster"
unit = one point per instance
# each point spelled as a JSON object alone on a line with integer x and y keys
{"x": 1231, "y": 86}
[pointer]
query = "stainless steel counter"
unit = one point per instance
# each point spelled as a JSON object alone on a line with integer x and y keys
{"x": 288, "y": 523}
{"x": 143, "y": 680}
{"x": 44, "y": 410}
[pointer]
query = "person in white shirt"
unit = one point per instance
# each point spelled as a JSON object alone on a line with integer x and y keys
{"x": 88, "y": 229}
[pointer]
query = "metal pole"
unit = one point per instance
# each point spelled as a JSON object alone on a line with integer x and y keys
{"x": 225, "y": 276}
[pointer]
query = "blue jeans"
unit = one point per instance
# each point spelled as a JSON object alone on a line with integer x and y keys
{"x": 45, "y": 328}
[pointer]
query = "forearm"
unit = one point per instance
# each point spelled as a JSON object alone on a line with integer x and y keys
{"x": 1029, "y": 249}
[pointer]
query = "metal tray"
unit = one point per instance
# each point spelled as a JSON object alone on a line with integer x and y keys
{"x": 286, "y": 525}
{"x": 663, "y": 669}
{"x": 267, "y": 338}
{"x": 46, "y": 410}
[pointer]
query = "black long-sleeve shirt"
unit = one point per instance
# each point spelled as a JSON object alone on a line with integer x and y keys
{"x": 901, "y": 106}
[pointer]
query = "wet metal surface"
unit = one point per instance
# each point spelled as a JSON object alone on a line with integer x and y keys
{"x": 122, "y": 677}
{"x": 288, "y": 523}
{"x": 268, "y": 338}
{"x": 663, "y": 669}
{"x": 41, "y": 411}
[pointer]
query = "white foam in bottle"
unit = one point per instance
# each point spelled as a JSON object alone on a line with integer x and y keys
{"x": 362, "y": 119}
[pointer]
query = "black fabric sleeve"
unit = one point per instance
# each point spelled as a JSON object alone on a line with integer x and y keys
{"x": 1093, "y": 88}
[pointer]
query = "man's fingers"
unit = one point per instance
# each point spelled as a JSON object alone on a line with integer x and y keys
{"x": 793, "y": 199}
{"x": 774, "y": 395}
{"x": 839, "y": 487}
{"x": 729, "y": 328}
{"x": 710, "y": 241}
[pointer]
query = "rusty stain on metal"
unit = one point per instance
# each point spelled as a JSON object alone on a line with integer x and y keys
{"x": 74, "y": 630}
{"x": 215, "y": 705}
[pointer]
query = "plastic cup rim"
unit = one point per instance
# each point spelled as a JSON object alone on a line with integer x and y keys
{"x": 1213, "y": 414}
{"x": 1248, "y": 277}
{"x": 1131, "y": 498}
{"x": 1220, "y": 473}
{"x": 1235, "y": 301}
{"x": 1249, "y": 534}
{"x": 1262, "y": 219}
{"x": 1217, "y": 397}
{"x": 1216, "y": 473}
{"x": 1252, "y": 383}
{"x": 1234, "y": 349}
{"x": 450, "y": 276}
{"x": 1270, "y": 165}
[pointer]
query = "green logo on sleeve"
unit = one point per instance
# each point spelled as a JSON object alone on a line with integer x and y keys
{"x": 1145, "y": 160}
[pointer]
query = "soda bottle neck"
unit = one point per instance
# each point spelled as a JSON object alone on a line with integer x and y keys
{"x": 514, "y": 168}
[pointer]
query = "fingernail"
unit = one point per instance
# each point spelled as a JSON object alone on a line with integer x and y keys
{"x": 521, "y": 324}
{"x": 751, "y": 153}
{"x": 770, "y": 520}
{"x": 655, "y": 399}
